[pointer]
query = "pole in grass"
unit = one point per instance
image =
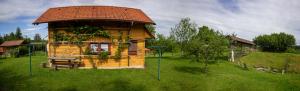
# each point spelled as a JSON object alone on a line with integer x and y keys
{"x": 30, "y": 68}
{"x": 158, "y": 64}
{"x": 159, "y": 59}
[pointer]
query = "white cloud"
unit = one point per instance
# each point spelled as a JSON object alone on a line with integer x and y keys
{"x": 253, "y": 17}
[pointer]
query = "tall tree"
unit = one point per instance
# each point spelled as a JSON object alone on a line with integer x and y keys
{"x": 183, "y": 31}
{"x": 12, "y": 36}
{"x": 172, "y": 45}
{"x": 207, "y": 44}
{"x": 1, "y": 39}
{"x": 150, "y": 28}
{"x": 18, "y": 34}
{"x": 37, "y": 37}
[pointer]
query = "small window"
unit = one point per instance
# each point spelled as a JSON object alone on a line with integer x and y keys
{"x": 94, "y": 48}
{"x": 99, "y": 47}
{"x": 132, "y": 50}
{"x": 104, "y": 47}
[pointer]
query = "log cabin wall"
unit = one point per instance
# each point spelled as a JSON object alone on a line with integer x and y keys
{"x": 136, "y": 31}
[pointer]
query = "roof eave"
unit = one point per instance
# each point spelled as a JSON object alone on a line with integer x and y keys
{"x": 39, "y": 22}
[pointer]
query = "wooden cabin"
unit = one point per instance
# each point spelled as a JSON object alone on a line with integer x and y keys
{"x": 121, "y": 35}
{"x": 240, "y": 47}
{"x": 12, "y": 45}
{"x": 243, "y": 43}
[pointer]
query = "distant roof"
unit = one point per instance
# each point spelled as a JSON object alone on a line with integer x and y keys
{"x": 242, "y": 40}
{"x": 107, "y": 13}
{"x": 12, "y": 43}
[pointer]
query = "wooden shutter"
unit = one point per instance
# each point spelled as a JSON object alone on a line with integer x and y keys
{"x": 132, "y": 49}
{"x": 109, "y": 49}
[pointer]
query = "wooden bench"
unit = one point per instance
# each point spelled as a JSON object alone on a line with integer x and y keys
{"x": 70, "y": 62}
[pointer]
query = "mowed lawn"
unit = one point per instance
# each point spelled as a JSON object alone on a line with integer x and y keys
{"x": 274, "y": 60}
{"x": 177, "y": 74}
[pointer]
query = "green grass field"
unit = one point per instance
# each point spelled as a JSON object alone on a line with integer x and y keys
{"x": 274, "y": 60}
{"x": 177, "y": 74}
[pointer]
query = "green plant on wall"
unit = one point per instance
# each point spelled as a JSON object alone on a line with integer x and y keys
{"x": 103, "y": 55}
{"x": 118, "y": 53}
{"x": 121, "y": 45}
{"x": 78, "y": 34}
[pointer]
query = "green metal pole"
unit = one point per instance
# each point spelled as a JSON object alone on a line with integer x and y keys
{"x": 30, "y": 69}
{"x": 158, "y": 70}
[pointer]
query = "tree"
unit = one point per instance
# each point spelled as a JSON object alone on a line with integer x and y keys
{"x": 183, "y": 32}
{"x": 12, "y": 36}
{"x": 172, "y": 45}
{"x": 151, "y": 41}
{"x": 168, "y": 43}
{"x": 18, "y": 34}
{"x": 276, "y": 42}
{"x": 150, "y": 28}
{"x": 1, "y": 39}
{"x": 37, "y": 38}
{"x": 207, "y": 45}
{"x": 160, "y": 40}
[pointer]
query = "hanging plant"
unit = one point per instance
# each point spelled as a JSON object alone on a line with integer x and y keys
{"x": 118, "y": 53}
{"x": 103, "y": 55}
{"x": 121, "y": 45}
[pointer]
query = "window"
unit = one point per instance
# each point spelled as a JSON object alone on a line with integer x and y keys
{"x": 99, "y": 47}
{"x": 94, "y": 48}
{"x": 104, "y": 47}
{"x": 132, "y": 50}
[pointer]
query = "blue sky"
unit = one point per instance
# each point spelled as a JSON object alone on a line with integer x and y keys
{"x": 246, "y": 18}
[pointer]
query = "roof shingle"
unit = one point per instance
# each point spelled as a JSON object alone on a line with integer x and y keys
{"x": 242, "y": 40}
{"x": 110, "y": 13}
{"x": 12, "y": 43}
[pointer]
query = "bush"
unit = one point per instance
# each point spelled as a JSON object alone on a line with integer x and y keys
{"x": 291, "y": 50}
{"x": 103, "y": 55}
{"x": 275, "y": 42}
{"x": 23, "y": 50}
{"x": 13, "y": 53}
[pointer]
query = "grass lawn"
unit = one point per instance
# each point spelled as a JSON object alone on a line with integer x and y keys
{"x": 177, "y": 74}
{"x": 275, "y": 60}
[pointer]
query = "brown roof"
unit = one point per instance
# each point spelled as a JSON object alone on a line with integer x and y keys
{"x": 109, "y": 13}
{"x": 12, "y": 43}
{"x": 242, "y": 40}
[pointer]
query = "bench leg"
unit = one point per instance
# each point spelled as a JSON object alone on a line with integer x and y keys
{"x": 55, "y": 67}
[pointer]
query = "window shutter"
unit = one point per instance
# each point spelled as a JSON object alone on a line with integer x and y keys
{"x": 109, "y": 48}
{"x": 132, "y": 50}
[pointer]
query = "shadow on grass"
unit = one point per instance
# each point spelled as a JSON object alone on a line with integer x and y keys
{"x": 125, "y": 85}
{"x": 69, "y": 88}
{"x": 11, "y": 81}
{"x": 191, "y": 70}
{"x": 242, "y": 67}
{"x": 167, "y": 58}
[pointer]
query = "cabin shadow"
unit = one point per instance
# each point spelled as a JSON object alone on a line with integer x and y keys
{"x": 125, "y": 85}
{"x": 68, "y": 88}
{"x": 11, "y": 81}
{"x": 191, "y": 70}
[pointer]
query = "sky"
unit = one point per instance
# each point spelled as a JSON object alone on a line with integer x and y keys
{"x": 246, "y": 18}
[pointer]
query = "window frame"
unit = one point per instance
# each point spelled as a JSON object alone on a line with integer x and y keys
{"x": 99, "y": 47}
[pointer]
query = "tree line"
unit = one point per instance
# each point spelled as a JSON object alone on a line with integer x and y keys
{"x": 22, "y": 50}
{"x": 17, "y": 35}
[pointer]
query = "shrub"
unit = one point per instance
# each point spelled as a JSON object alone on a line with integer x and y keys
{"x": 103, "y": 55}
{"x": 291, "y": 50}
{"x": 13, "y": 53}
{"x": 275, "y": 42}
{"x": 23, "y": 50}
